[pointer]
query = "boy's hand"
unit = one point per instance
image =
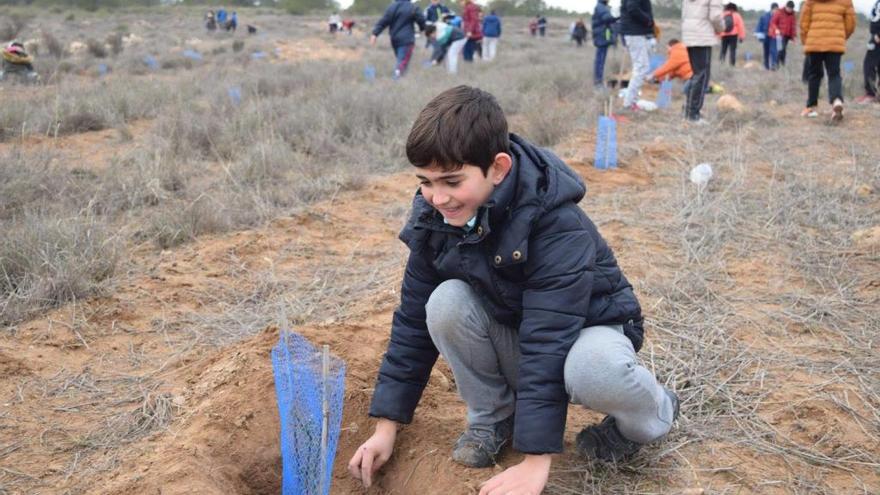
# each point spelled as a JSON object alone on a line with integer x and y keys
{"x": 373, "y": 39}
{"x": 526, "y": 478}
{"x": 374, "y": 453}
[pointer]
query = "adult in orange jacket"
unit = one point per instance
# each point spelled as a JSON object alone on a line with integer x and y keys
{"x": 677, "y": 65}
{"x": 735, "y": 32}
{"x": 825, "y": 27}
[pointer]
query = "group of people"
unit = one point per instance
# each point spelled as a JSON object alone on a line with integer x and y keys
{"x": 825, "y": 27}
{"x": 222, "y": 19}
{"x": 336, "y": 23}
{"x": 448, "y": 35}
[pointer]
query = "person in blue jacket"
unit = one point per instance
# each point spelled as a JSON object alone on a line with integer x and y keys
{"x": 491, "y": 34}
{"x": 604, "y": 35}
{"x": 512, "y": 283}
{"x": 435, "y": 12}
{"x": 399, "y": 18}
{"x": 767, "y": 41}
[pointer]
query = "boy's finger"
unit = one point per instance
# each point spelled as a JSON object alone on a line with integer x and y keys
{"x": 367, "y": 468}
{"x": 354, "y": 465}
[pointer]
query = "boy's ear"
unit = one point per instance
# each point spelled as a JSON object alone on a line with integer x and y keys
{"x": 501, "y": 167}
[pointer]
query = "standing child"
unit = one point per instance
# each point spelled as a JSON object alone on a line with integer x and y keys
{"x": 871, "y": 64}
{"x": 735, "y": 32}
{"x": 399, "y": 18}
{"x": 510, "y": 281}
{"x": 700, "y": 22}
{"x": 491, "y": 34}
{"x": 637, "y": 27}
{"x": 825, "y": 27}
{"x": 783, "y": 28}
{"x": 603, "y": 37}
{"x": 473, "y": 29}
{"x": 762, "y": 33}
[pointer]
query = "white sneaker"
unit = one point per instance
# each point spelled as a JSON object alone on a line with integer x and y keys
{"x": 837, "y": 110}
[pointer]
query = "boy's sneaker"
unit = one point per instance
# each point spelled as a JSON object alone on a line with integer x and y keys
{"x": 605, "y": 442}
{"x": 866, "y": 100}
{"x": 837, "y": 110}
{"x": 479, "y": 446}
{"x": 810, "y": 113}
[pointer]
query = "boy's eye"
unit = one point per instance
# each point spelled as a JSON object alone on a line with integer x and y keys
{"x": 424, "y": 183}
{"x": 453, "y": 184}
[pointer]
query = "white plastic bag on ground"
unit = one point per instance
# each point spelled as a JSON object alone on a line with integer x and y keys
{"x": 701, "y": 174}
{"x": 648, "y": 106}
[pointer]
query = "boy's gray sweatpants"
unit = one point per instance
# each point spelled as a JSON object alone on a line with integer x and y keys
{"x": 601, "y": 370}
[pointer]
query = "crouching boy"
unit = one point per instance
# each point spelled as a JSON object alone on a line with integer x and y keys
{"x": 509, "y": 280}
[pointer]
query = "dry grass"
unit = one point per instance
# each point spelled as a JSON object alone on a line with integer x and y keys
{"x": 305, "y": 131}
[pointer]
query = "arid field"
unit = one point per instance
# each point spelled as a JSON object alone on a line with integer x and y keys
{"x": 158, "y": 225}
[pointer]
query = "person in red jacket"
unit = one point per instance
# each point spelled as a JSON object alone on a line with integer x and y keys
{"x": 472, "y": 27}
{"x": 734, "y": 33}
{"x": 783, "y": 28}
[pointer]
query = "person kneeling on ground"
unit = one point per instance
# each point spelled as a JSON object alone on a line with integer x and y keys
{"x": 510, "y": 281}
{"x": 17, "y": 62}
{"x": 677, "y": 65}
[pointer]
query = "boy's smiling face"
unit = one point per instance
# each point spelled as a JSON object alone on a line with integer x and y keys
{"x": 458, "y": 194}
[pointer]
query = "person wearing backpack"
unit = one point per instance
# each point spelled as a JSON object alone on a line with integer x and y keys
{"x": 399, "y": 18}
{"x": 734, "y": 32}
{"x": 603, "y": 37}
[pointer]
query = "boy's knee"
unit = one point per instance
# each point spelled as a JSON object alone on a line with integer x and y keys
{"x": 597, "y": 365}
{"x": 449, "y": 307}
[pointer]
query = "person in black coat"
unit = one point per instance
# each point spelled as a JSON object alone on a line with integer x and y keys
{"x": 510, "y": 281}
{"x": 399, "y": 18}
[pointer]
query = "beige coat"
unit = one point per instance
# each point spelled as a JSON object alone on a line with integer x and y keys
{"x": 700, "y": 22}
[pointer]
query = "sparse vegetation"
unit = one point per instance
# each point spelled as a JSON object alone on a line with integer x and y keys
{"x": 761, "y": 309}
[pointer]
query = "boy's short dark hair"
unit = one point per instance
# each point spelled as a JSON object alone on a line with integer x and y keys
{"x": 673, "y": 41}
{"x": 790, "y": 4}
{"x": 429, "y": 29}
{"x": 460, "y": 125}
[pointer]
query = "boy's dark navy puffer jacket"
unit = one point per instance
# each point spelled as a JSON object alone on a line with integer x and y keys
{"x": 399, "y": 18}
{"x": 540, "y": 266}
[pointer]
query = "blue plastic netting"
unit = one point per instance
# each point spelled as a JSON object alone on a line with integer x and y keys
{"x": 297, "y": 365}
{"x": 606, "y": 143}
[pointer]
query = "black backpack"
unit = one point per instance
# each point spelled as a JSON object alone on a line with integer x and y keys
{"x": 728, "y": 23}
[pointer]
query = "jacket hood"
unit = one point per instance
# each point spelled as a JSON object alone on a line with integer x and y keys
{"x": 538, "y": 182}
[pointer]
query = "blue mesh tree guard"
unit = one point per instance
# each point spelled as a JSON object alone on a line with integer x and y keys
{"x": 302, "y": 395}
{"x": 606, "y": 144}
{"x": 664, "y": 96}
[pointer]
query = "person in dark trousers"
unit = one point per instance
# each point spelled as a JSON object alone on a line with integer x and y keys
{"x": 580, "y": 32}
{"x": 472, "y": 27}
{"x": 399, "y": 18}
{"x": 734, "y": 32}
{"x": 511, "y": 282}
{"x": 783, "y": 29}
{"x": 542, "y": 26}
{"x": 232, "y": 23}
{"x": 701, "y": 22}
{"x": 762, "y": 32}
{"x": 871, "y": 64}
{"x": 637, "y": 27}
{"x": 604, "y": 36}
{"x": 825, "y": 27}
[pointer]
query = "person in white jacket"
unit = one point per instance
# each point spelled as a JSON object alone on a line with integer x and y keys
{"x": 701, "y": 21}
